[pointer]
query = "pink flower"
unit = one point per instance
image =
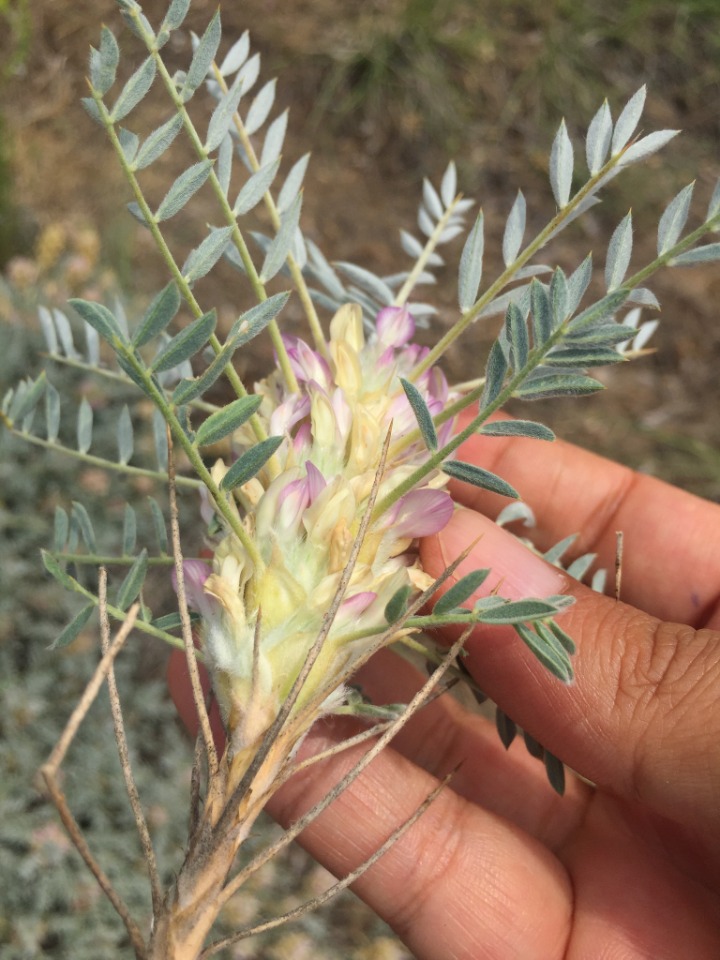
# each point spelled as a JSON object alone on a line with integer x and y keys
{"x": 195, "y": 573}
{"x": 395, "y": 326}
{"x": 306, "y": 363}
{"x": 420, "y": 513}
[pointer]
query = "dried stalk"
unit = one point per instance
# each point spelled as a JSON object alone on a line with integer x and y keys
{"x": 49, "y": 773}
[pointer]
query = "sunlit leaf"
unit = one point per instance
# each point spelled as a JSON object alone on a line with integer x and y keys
{"x": 223, "y": 114}
{"x": 134, "y": 90}
{"x": 260, "y": 107}
{"x": 471, "y": 265}
{"x": 255, "y": 188}
{"x": 185, "y": 187}
{"x": 157, "y": 143}
{"x": 674, "y": 219}
{"x": 202, "y": 58}
{"x": 203, "y": 258}
{"x": 628, "y": 120}
{"x": 281, "y": 245}
{"x": 561, "y": 166}
{"x": 514, "y": 230}
{"x": 599, "y": 137}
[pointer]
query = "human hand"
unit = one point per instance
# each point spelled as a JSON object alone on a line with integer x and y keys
{"x": 499, "y": 866}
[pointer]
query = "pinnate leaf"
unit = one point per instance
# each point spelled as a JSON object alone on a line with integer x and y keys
{"x": 557, "y": 385}
{"x": 628, "y": 120}
{"x": 236, "y": 55}
{"x": 619, "y": 253}
{"x": 703, "y": 254}
{"x": 514, "y": 230}
{"x": 282, "y": 244}
{"x": 260, "y": 107}
{"x": 646, "y": 146}
{"x": 84, "y": 426}
{"x": 177, "y": 11}
{"x": 125, "y": 435}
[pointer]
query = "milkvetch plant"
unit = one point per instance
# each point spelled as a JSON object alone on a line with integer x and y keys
{"x": 316, "y": 482}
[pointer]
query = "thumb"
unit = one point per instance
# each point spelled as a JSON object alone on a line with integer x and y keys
{"x": 641, "y": 717}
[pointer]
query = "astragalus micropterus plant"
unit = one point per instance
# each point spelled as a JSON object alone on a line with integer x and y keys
{"x": 338, "y": 461}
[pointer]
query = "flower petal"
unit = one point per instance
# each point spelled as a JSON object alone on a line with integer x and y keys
{"x": 422, "y": 512}
{"x": 395, "y": 326}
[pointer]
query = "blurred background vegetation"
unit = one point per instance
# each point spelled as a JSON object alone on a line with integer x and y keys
{"x": 383, "y": 92}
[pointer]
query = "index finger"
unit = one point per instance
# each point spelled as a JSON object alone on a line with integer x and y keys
{"x": 671, "y": 564}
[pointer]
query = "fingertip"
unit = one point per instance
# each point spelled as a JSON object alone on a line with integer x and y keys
{"x": 517, "y": 571}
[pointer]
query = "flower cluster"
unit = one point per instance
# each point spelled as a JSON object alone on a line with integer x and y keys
{"x": 303, "y": 512}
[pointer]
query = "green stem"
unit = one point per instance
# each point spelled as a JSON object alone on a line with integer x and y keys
{"x": 427, "y": 252}
{"x": 473, "y": 312}
{"x": 117, "y": 614}
{"x": 680, "y": 247}
{"x": 238, "y": 239}
{"x": 93, "y": 461}
{"x": 295, "y": 270}
{"x": 161, "y": 244}
{"x": 116, "y": 376}
{"x": 100, "y": 560}
{"x": 222, "y": 499}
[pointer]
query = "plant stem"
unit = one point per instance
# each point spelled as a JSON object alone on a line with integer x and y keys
{"x": 473, "y": 312}
{"x": 252, "y": 274}
{"x": 295, "y": 270}
{"x": 93, "y": 461}
{"x": 427, "y": 252}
